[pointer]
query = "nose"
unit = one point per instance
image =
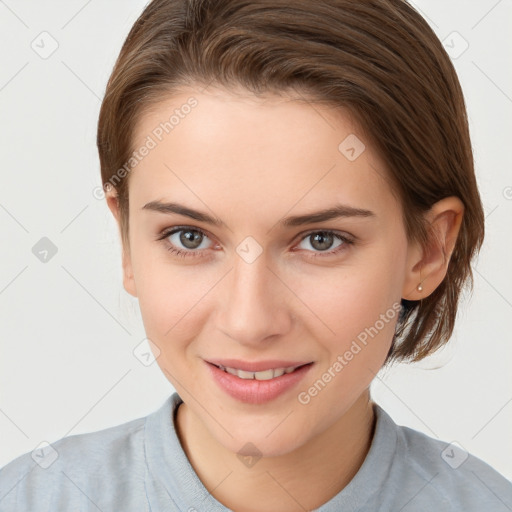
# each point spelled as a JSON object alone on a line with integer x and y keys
{"x": 255, "y": 305}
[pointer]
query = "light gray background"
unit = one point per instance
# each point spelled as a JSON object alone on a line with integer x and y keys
{"x": 67, "y": 327}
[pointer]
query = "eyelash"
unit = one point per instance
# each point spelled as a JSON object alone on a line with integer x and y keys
{"x": 193, "y": 254}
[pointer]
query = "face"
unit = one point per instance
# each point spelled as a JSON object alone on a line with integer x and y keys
{"x": 264, "y": 287}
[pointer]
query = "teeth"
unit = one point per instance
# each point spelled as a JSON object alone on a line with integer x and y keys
{"x": 263, "y": 375}
{"x": 246, "y": 375}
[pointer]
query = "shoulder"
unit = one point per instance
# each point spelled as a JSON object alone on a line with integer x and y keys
{"x": 444, "y": 473}
{"x": 78, "y": 470}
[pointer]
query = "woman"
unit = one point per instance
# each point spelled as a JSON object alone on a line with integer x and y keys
{"x": 295, "y": 192}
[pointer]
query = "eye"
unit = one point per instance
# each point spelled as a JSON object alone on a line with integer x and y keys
{"x": 187, "y": 237}
{"x": 322, "y": 241}
{"x": 188, "y": 242}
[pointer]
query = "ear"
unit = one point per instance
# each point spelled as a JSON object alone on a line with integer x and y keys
{"x": 128, "y": 279}
{"x": 428, "y": 266}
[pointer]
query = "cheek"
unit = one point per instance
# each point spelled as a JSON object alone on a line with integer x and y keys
{"x": 170, "y": 303}
{"x": 363, "y": 322}
{"x": 172, "y": 318}
{"x": 171, "y": 299}
{"x": 352, "y": 297}
{"x": 359, "y": 307}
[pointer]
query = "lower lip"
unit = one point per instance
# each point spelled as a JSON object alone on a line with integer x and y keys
{"x": 254, "y": 391}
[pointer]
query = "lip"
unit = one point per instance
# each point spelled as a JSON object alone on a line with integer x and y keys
{"x": 256, "y": 366}
{"x": 253, "y": 391}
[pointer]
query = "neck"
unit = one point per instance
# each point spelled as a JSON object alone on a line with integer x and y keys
{"x": 300, "y": 480}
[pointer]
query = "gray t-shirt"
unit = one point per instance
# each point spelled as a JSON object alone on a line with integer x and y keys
{"x": 140, "y": 466}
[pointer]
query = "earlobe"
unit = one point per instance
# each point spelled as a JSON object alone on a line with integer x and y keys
{"x": 128, "y": 278}
{"x": 427, "y": 266}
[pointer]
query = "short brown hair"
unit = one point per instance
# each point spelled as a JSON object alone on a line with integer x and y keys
{"x": 378, "y": 59}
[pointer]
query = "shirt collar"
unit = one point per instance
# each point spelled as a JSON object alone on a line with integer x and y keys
{"x": 172, "y": 479}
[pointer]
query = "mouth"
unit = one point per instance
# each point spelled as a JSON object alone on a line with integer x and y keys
{"x": 268, "y": 374}
{"x": 257, "y": 383}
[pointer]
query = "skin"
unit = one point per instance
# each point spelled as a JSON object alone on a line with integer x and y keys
{"x": 250, "y": 162}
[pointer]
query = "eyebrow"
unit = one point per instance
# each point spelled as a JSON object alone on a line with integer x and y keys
{"x": 334, "y": 212}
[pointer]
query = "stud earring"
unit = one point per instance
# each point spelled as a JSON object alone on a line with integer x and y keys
{"x": 420, "y": 288}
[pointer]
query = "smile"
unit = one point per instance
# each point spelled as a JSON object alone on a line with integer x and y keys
{"x": 262, "y": 375}
{"x": 257, "y": 387}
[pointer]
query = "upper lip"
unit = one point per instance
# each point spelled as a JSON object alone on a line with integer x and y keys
{"x": 256, "y": 366}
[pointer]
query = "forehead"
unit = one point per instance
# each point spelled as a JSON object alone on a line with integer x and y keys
{"x": 254, "y": 154}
